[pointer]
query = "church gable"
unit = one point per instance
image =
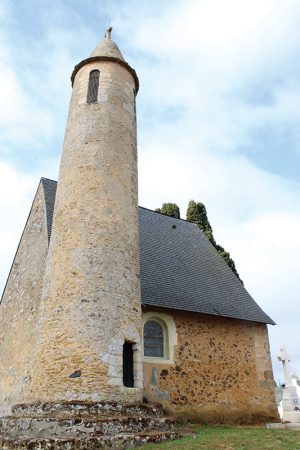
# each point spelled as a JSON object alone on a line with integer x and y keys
{"x": 20, "y": 303}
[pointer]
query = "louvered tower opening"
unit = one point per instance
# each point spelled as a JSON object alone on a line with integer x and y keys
{"x": 92, "y": 95}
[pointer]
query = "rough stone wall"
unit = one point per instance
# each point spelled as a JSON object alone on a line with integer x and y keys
{"x": 19, "y": 308}
{"x": 221, "y": 371}
{"x": 91, "y": 296}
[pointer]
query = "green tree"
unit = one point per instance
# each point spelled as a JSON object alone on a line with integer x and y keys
{"x": 169, "y": 209}
{"x": 196, "y": 213}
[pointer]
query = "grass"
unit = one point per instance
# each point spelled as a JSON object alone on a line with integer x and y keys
{"x": 233, "y": 438}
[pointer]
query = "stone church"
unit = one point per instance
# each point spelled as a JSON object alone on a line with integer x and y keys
{"x": 113, "y": 304}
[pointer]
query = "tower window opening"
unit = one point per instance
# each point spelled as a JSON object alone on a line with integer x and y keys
{"x": 153, "y": 339}
{"x": 92, "y": 95}
{"x": 128, "y": 378}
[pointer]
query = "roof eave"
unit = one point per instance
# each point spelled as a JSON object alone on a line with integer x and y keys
{"x": 109, "y": 59}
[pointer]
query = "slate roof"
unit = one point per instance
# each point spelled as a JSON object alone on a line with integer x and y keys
{"x": 180, "y": 269}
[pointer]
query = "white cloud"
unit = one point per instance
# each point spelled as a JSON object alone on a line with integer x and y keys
{"x": 35, "y": 81}
{"x": 208, "y": 22}
{"x": 17, "y": 191}
{"x": 22, "y": 120}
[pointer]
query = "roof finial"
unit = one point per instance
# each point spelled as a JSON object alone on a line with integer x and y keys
{"x": 108, "y": 33}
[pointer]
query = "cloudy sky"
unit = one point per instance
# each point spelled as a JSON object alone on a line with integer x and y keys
{"x": 218, "y": 122}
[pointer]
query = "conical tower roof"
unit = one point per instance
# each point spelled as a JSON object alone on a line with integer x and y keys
{"x": 108, "y": 47}
{"x": 107, "y": 50}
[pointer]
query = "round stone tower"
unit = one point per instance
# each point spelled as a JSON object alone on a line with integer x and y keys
{"x": 89, "y": 344}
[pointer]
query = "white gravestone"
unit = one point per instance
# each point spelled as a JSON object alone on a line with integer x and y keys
{"x": 296, "y": 382}
{"x": 290, "y": 399}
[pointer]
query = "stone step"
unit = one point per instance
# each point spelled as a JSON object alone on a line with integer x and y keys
{"x": 86, "y": 408}
{"x": 38, "y": 427}
{"x": 120, "y": 441}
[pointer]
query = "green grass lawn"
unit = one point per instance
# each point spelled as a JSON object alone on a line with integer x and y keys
{"x": 233, "y": 438}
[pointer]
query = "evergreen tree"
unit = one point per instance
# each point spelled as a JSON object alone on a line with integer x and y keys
{"x": 169, "y": 209}
{"x": 197, "y": 214}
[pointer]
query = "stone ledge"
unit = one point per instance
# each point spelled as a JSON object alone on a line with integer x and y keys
{"x": 44, "y": 427}
{"x": 85, "y": 408}
{"x": 283, "y": 426}
{"x": 80, "y": 425}
{"x": 120, "y": 441}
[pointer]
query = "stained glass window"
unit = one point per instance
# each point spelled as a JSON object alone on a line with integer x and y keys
{"x": 153, "y": 339}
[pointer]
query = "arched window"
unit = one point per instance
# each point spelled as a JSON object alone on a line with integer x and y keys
{"x": 153, "y": 339}
{"x": 93, "y": 86}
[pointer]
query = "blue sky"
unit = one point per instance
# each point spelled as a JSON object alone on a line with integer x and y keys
{"x": 218, "y": 121}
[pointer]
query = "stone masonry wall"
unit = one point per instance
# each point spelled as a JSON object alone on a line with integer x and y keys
{"x": 91, "y": 296}
{"x": 19, "y": 308}
{"x": 221, "y": 371}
